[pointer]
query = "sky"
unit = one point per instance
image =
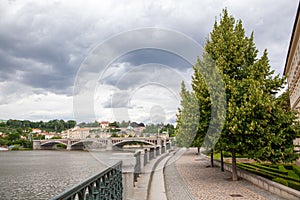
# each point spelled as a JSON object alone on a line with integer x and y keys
{"x": 117, "y": 60}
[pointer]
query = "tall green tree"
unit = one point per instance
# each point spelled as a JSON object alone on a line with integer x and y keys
{"x": 254, "y": 122}
{"x": 210, "y": 93}
{"x": 204, "y": 104}
{"x": 187, "y": 118}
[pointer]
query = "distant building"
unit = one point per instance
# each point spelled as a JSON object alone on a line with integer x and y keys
{"x": 79, "y": 133}
{"x": 36, "y": 131}
{"x": 130, "y": 130}
{"x": 292, "y": 65}
{"x": 104, "y": 124}
{"x": 49, "y": 135}
{"x": 87, "y": 132}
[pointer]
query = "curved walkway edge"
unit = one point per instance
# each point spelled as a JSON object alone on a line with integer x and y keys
{"x": 150, "y": 177}
{"x": 176, "y": 188}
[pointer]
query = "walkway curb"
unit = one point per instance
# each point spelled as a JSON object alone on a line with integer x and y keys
{"x": 142, "y": 187}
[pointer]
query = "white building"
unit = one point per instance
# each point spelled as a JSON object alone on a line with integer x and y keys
{"x": 292, "y": 65}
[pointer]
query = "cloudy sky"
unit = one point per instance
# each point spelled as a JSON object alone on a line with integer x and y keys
{"x": 88, "y": 60}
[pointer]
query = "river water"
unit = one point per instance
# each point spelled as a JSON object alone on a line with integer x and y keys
{"x": 44, "y": 174}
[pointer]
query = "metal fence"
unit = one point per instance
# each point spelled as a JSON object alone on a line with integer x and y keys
{"x": 107, "y": 185}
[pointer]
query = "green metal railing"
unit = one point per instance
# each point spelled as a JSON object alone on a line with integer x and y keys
{"x": 107, "y": 185}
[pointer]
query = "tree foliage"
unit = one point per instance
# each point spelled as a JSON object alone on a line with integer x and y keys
{"x": 187, "y": 118}
{"x": 257, "y": 122}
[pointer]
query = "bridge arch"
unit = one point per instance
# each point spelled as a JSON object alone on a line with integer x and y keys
{"x": 52, "y": 143}
{"x": 124, "y": 142}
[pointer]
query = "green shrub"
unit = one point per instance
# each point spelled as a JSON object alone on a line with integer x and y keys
{"x": 293, "y": 184}
{"x": 265, "y": 173}
{"x": 281, "y": 181}
{"x": 292, "y": 174}
{"x": 276, "y": 170}
{"x": 16, "y": 147}
{"x": 241, "y": 155}
{"x": 273, "y": 166}
{"x": 282, "y": 169}
{"x": 288, "y": 166}
{"x": 226, "y": 154}
{"x": 280, "y": 175}
{"x": 296, "y": 169}
{"x": 256, "y": 171}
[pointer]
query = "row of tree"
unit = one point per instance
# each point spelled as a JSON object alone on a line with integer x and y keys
{"x": 234, "y": 105}
{"x": 17, "y": 132}
{"x": 50, "y": 126}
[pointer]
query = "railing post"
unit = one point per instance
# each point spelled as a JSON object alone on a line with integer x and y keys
{"x": 163, "y": 149}
{"x": 168, "y": 146}
{"x": 142, "y": 158}
{"x": 146, "y": 156}
{"x": 151, "y": 155}
{"x": 128, "y": 165}
{"x": 137, "y": 167}
{"x": 128, "y": 177}
{"x": 157, "y": 151}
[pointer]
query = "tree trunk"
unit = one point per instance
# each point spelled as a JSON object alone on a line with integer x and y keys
{"x": 234, "y": 172}
{"x": 212, "y": 158}
{"x": 198, "y": 148}
{"x": 222, "y": 161}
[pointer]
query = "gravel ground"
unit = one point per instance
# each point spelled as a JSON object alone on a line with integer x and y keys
{"x": 189, "y": 177}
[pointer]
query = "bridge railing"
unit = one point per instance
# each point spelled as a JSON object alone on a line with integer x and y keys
{"x": 105, "y": 186}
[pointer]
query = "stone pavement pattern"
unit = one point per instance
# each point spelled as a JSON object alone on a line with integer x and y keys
{"x": 189, "y": 177}
{"x": 175, "y": 187}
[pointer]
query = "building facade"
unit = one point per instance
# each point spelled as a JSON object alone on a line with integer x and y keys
{"x": 292, "y": 65}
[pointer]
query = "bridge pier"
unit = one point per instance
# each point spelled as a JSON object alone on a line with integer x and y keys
{"x": 109, "y": 145}
{"x": 159, "y": 141}
{"x": 36, "y": 145}
{"x": 69, "y": 145}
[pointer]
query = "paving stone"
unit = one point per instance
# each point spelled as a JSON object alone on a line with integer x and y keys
{"x": 189, "y": 178}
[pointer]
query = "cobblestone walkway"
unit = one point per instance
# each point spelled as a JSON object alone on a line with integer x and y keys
{"x": 176, "y": 188}
{"x": 190, "y": 178}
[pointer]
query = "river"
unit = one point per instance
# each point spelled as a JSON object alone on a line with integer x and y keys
{"x": 44, "y": 174}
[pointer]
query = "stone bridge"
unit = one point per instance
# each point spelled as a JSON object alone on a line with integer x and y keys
{"x": 108, "y": 143}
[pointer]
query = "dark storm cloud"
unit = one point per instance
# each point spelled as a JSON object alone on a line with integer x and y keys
{"x": 144, "y": 56}
{"x": 45, "y": 35}
{"x": 131, "y": 77}
{"x": 40, "y": 49}
{"x": 43, "y": 43}
{"x": 118, "y": 100}
{"x": 48, "y": 61}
